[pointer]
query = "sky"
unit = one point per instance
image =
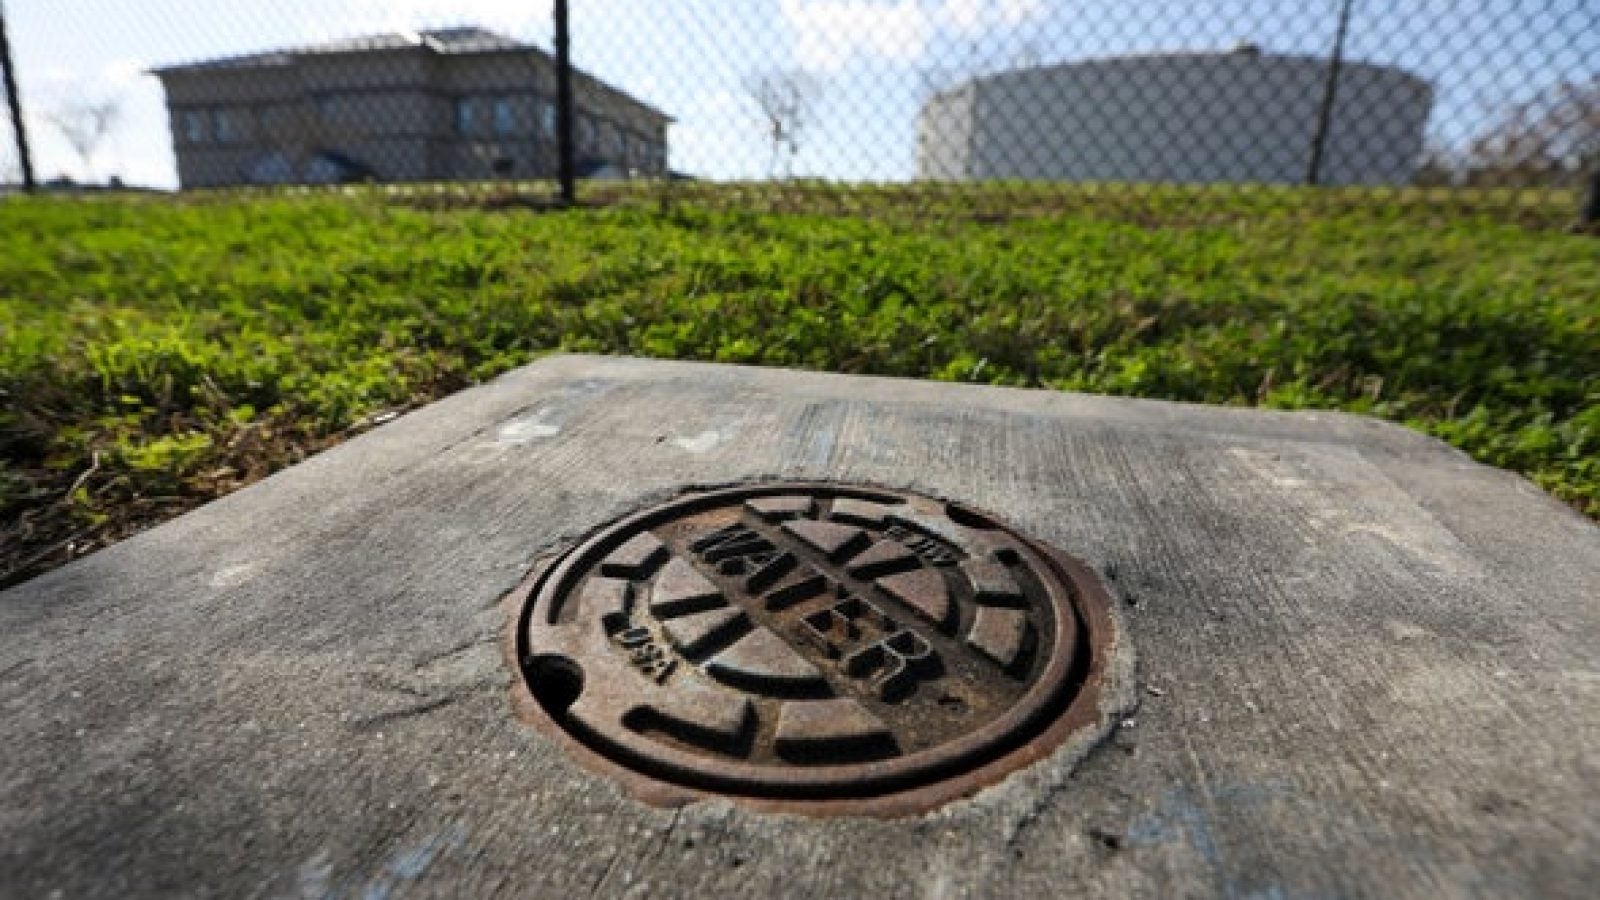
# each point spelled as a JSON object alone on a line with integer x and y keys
{"x": 870, "y": 62}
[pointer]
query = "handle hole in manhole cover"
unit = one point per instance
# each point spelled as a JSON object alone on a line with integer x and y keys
{"x": 556, "y": 682}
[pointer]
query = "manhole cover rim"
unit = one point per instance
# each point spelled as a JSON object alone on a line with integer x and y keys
{"x": 1032, "y": 727}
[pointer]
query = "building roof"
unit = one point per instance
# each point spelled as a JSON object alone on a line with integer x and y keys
{"x": 458, "y": 41}
{"x": 447, "y": 41}
{"x": 1243, "y": 51}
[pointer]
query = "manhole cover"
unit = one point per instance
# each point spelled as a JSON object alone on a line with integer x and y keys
{"x": 812, "y": 647}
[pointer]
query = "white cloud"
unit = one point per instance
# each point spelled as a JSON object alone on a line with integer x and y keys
{"x": 964, "y": 16}
{"x": 969, "y": 17}
{"x": 1015, "y": 12}
{"x": 135, "y": 146}
{"x": 55, "y": 77}
{"x": 372, "y": 16}
{"x": 124, "y": 72}
{"x": 718, "y": 135}
{"x": 829, "y": 33}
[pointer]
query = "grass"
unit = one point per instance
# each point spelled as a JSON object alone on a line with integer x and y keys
{"x": 156, "y": 353}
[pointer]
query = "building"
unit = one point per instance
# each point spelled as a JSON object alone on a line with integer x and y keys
{"x": 451, "y": 104}
{"x": 1239, "y": 116}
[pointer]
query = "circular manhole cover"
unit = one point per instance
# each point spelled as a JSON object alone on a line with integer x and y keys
{"x": 812, "y": 647}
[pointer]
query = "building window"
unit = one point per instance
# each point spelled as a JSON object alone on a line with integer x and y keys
{"x": 192, "y": 124}
{"x": 225, "y": 126}
{"x": 547, "y": 118}
{"x": 467, "y": 115}
{"x": 585, "y": 135}
{"x": 505, "y": 119}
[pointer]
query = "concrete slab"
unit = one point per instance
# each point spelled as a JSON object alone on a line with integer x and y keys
{"x": 1366, "y": 665}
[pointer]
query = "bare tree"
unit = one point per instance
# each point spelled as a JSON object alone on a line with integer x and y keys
{"x": 786, "y": 99}
{"x": 1439, "y": 166}
{"x": 85, "y": 125}
{"x": 1027, "y": 56}
{"x": 1546, "y": 139}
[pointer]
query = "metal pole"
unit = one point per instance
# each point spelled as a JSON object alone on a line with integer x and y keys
{"x": 1325, "y": 114}
{"x": 14, "y": 101}
{"x": 564, "y": 118}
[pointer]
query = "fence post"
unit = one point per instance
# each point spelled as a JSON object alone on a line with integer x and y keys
{"x": 14, "y": 101}
{"x": 1329, "y": 92}
{"x": 564, "y": 117}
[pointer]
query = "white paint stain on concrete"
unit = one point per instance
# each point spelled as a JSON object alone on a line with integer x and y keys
{"x": 541, "y": 423}
{"x": 704, "y": 442}
{"x": 233, "y": 576}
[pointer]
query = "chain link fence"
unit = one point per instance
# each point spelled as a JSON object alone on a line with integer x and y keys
{"x": 1157, "y": 110}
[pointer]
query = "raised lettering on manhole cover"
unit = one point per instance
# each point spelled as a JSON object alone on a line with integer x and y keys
{"x": 811, "y": 646}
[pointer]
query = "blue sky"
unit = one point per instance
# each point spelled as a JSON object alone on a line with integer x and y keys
{"x": 872, "y": 60}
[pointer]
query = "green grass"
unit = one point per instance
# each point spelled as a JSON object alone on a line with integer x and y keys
{"x": 155, "y": 353}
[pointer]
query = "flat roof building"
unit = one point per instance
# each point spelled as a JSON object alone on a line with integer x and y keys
{"x": 1210, "y": 117}
{"x": 441, "y": 105}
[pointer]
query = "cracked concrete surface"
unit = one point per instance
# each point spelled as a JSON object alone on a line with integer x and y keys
{"x": 1367, "y": 665}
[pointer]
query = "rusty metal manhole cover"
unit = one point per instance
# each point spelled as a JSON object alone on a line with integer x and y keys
{"x": 815, "y": 647}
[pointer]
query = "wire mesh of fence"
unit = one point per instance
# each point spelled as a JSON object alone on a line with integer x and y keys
{"x": 1157, "y": 110}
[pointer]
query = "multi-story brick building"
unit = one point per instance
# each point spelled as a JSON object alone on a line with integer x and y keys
{"x": 451, "y": 104}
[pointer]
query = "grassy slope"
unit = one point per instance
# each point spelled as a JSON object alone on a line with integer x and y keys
{"x": 154, "y": 353}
